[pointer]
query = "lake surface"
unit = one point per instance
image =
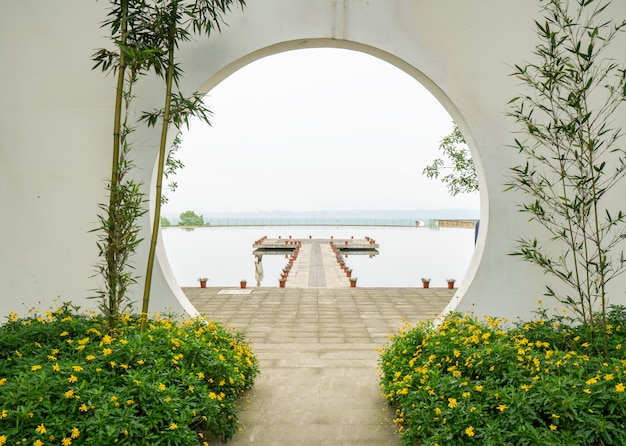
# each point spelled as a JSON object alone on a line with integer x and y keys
{"x": 225, "y": 255}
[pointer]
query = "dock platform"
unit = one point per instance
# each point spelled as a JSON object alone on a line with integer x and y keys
{"x": 315, "y": 263}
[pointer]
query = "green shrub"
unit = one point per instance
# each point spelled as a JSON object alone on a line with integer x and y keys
{"x": 63, "y": 380}
{"x": 540, "y": 383}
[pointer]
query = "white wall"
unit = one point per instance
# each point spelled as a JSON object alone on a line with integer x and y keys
{"x": 55, "y": 125}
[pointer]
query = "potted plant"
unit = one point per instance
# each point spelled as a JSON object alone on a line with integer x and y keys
{"x": 348, "y": 272}
{"x": 353, "y": 282}
{"x": 451, "y": 283}
{"x": 281, "y": 282}
{"x": 242, "y": 283}
{"x": 425, "y": 282}
{"x": 203, "y": 281}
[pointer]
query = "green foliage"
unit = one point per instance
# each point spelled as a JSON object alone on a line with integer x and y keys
{"x": 572, "y": 160}
{"x": 117, "y": 233}
{"x": 463, "y": 178}
{"x": 165, "y": 222}
{"x": 62, "y": 377}
{"x": 174, "y": 22}
{"x": 190, "y": 218}
{"x": 541, "y": 382}
{"x": 117, "y": 242}
{"x": 172, "y": 165}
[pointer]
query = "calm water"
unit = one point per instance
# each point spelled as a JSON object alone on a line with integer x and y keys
{"x": 224, "y": 255}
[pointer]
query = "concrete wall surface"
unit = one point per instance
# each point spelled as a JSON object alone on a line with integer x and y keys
{"x": 56, "y": 127}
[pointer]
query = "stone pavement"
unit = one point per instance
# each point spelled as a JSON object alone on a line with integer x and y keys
{"x": 318, "y": 350}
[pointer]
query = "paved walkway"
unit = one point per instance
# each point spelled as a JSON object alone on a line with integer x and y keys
{"x": 318, "y": 353}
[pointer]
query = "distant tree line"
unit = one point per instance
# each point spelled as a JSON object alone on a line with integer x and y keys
{"x": 187, "y": 218}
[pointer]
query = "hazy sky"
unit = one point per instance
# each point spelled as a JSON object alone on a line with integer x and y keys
{"x": 315, "y": 129}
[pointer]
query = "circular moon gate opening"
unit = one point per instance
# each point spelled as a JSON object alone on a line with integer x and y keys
{"x": 324, "y": 133}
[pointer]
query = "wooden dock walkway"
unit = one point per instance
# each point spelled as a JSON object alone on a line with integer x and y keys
{"x": 315, "y": 264}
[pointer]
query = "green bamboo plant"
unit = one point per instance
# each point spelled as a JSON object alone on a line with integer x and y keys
{"x": 146, "y": 35}
{"x": 174, "y": 22}
{"x": 118, "y": 229}
{"x": 572, "y": 154}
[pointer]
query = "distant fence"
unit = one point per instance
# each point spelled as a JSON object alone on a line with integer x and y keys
{"x": 401, "y": 222}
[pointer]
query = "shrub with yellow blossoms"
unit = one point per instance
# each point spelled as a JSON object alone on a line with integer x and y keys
{"x": 492, "y": 382}
{"x": 63, "y": 382}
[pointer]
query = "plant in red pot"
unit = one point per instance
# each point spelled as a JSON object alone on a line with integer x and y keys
{"x": 203, "y": 281}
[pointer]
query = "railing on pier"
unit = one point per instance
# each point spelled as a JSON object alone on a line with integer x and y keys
{"x": 398, "y": 222}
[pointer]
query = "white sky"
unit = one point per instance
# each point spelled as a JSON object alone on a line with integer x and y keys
{"x": 315, "y": 129}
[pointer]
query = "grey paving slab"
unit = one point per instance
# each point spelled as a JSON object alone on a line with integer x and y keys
{"x": 318, "y": 354}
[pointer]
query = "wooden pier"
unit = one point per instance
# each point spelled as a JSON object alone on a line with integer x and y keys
{"x": 316, "y": 263}
{"x": 263, "y": 245}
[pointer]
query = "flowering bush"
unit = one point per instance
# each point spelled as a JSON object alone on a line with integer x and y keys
{"x": 63, "y": 380}
{"x": 540, "y": 382}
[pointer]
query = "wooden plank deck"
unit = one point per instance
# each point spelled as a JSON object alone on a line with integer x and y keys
{"x": 315, "y": 265}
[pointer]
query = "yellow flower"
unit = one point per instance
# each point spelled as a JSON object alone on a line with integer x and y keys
{"x": 72, "y": 379}
{"x": 90, "y": 357}
{"x": 470, "y": 431}
{"x": 35, "y": 368}
{"x": 3, "y": 381}
{"x": 478, "y": 388}
{"x": 66, "y": 442}
{"x": 552, "y": 427}
{"x": 56, "y": 368}
{"x": 83, "y": 408}
{"x": 3, "y": 439}
{"x": 41, "y": 429}
{"x": 107, "y": 351}
{"x": 69, "y": 394}
{"x": 3, "y": 414}
{"x": 437, "y": 411}
{"x": 77, "y": 368}
{"x": 619, "y": 387}
{"x": 37, "y": 442}
{"x": 75, "y": 433}
{"x": 452, "y": 403}
{"x": 173, "y": 426}
{"x": 162, "y": 386}
{"x": 608, "y": 377}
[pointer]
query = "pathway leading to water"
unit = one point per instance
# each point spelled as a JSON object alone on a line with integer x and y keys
{"x": 318, "y": 354}
{"x": 316, "y": 267}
